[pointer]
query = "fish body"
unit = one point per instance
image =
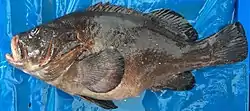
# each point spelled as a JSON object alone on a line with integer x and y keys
{"x": 111, "y": 53}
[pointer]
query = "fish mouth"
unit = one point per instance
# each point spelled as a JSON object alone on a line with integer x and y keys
{"x": 15, "y": 58}
{"x": 20, "y": 57}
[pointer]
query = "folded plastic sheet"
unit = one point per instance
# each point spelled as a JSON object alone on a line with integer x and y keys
{"x": 218, "y": 88}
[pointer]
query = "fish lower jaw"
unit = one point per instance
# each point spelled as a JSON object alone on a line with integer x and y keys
{"x": 30, "y": 68}
{"x": 12, "y": 61}
{"x": 24, "y": 65}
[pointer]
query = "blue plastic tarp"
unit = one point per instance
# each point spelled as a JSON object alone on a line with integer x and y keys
{"x": 218, "y": 88}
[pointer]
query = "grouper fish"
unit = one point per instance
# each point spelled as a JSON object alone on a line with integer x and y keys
{"x": 109, "y": 52}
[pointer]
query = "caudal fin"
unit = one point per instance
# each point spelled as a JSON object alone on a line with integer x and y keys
{"x": 229, "y": 45}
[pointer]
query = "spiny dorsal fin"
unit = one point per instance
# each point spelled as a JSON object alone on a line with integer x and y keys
{"x": 107, "y": 7}
{"x": 175, "y": 23}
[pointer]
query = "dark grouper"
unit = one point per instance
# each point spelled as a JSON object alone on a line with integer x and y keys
{"x": 110, "y": 52}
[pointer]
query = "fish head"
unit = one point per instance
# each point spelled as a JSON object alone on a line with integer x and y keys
{"x": 41, "y": 47}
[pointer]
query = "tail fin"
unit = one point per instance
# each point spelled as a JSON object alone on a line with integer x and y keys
{"x": 229, "y": 45}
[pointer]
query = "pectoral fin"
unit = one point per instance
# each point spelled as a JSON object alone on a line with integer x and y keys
{"x": 106, "y": 104}
{"x": 103, "y": 71}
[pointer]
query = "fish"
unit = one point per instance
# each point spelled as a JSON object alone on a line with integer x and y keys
{"x": 109, "y": 52}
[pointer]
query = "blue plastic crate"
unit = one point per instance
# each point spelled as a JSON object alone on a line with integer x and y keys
{"x": 218, "y": 88}
{"x": 244, "y": 17}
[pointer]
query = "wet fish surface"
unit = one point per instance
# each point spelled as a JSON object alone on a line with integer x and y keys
{"x": 109, "y": 52}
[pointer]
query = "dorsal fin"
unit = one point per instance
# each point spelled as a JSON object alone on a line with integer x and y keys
{"x": 175, "y": 23}
{"x": 107, "y": 7}
{"x": 167, "y": 19}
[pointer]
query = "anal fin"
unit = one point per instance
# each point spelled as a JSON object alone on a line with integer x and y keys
{"x": 106, "y": 104}
{"x": 178, "y": 82}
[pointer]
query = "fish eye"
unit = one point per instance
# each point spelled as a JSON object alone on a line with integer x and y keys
{"x": 34, "y": 31}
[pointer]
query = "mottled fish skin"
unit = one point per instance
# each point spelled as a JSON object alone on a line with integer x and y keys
{"x": 109, "y": 52}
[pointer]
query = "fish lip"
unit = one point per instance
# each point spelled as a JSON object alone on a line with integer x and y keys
{"x": 15, "y": 48}
{"x": 15, "y": 58}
